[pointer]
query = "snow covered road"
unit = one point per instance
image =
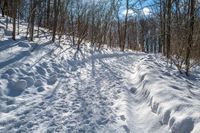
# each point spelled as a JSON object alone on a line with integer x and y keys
{"x": 48, "y": 88}
{"x": 70, "y": 91}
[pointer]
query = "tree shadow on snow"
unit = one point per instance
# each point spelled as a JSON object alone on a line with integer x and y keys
{"x": 4, "y": 45}
{"x": 15, "y": 58}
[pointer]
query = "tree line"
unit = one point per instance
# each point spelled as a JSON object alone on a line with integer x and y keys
{"x": 179, "y": 29}
{"x": 171, "y": 28}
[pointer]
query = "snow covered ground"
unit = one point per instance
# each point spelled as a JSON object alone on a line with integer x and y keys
{"x": 46, "y": 87}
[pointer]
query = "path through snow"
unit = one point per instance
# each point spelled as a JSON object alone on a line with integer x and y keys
{"x": 70, "y": 91}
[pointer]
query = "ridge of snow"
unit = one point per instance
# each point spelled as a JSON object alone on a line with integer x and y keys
{"x": 174, "y": 99}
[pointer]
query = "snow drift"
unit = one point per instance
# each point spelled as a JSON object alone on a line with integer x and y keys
{"x": 170, "y": 95}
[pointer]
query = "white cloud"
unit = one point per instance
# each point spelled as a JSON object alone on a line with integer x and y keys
{"x": 146, "y": 11}
{"x": 130, "y": 12}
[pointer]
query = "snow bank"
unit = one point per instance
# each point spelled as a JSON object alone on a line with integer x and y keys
{"x": 168, "y": 96}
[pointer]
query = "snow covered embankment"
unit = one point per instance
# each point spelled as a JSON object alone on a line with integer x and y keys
{"x": 174, "y": 99}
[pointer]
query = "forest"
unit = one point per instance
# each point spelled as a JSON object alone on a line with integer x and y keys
{"x": 171, "y": 27}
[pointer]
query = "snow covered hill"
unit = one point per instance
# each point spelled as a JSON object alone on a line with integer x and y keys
{"x": 46, "y": 87}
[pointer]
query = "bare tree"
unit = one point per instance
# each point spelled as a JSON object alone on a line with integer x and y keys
{"x": 14, "y": 13}
{"x": 190, "y": 37}
{"x": 1, "y": 7}
{"x": 32, "y": 19}
{"x": 56, "y": 12}
{"x": 168, "y": 30}
{"x": 125, "y": 26}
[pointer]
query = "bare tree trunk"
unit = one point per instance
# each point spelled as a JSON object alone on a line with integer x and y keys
{"x": 40, "y": 17}
{"x": 72, "y": 24}
{"x": 142, "y": 35}
{"x": 119, "y": 31}
{"x": 56, "y": 4}
{"x": 110, "y": 36}
{"x": 2, "y": 8}
{"x": 93, "y": 25}
{"x": 147, "y": 46}
{"x": 48, "y": 12}
{"x": 168, "y": 37}
{"x": 18, "y": 18}
{"x": 14, "y": 19}
{"x": 2, "y": 11}
{"x": 125, "y": 25}
{"x": 164, "y": 49}
{"x": 190, "y": 38}
{"x": 6, "y": 22}
{"x": 162, "y": 27}
{"x": 32, "y": 19}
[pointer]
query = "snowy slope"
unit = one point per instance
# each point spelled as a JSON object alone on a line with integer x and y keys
{"x": 173, "y": 97}
{"x": 46, "y": 87}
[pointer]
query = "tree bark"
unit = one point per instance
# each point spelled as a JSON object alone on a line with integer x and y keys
{"x": 168, "y": 37}
{"x": 125, "y": 25}
{"x": 48, "y": 12}
{"x": 56, "y": 4}
{"x": 1, "y": 7}
{"x": 162, "y": 27}
{"x": 32, "y": 19}
{"x": 14, "y": 14}
{"x": 190, "y": 37}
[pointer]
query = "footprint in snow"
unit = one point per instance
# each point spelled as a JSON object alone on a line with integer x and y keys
{"x": 40, "y": 89}
{"x": 30, "y": 81}
{"x": 102, "y": 121}
{"x": 49, "y": 70}
{"x": 38, "y": 83}
{"x": 133, "y": 90}
{"x": 126, "y": 128}
{"x": 57, "y": 69}
{"x": 115, "y": 97}
{"x": 40, "y": 70}
{"x": 16, "y": 87}
{"x": 45, "y": 65}
{"x": 52, "y": 80}
{"x": 10, "y": 71}
{"x": 118, "y": 91}
{"x": 122, "y": 117}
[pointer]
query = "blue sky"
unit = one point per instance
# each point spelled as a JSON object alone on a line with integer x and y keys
{"x": 137, "y": 6}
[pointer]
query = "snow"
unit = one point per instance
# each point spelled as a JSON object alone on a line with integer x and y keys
{"x": 29, "y": 80}
{"x": 46, "y": 87}
{"x": 23, "y": 44}
{"x": 38, "y": 83}
{"x": 168, "y": 95}
{"x": 2, "y": 32}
